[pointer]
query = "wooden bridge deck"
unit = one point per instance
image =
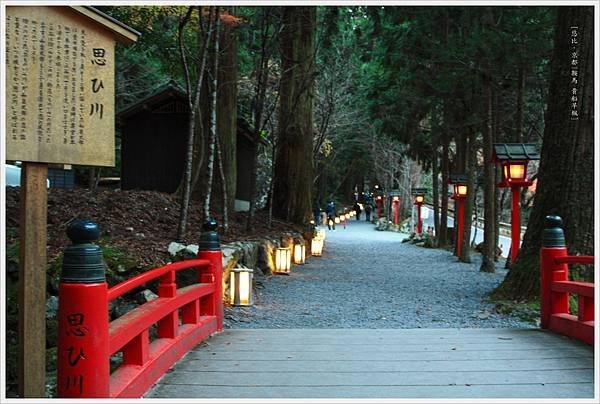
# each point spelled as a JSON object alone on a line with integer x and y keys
{"x": 382, "y": 363}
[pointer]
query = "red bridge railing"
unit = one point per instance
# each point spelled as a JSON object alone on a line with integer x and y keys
{"x": 556, "y": 288}
{"x": 184, "y": 316}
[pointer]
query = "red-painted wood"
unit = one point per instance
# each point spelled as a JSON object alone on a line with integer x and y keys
{"x": 515, "y": 226}
{"x": 568, "y": 325}
{"x": 555, "y": 288}
{"x": 146, "y": 277}
{"x": 83, "y": 349}
{"x": 579, "y": 288}
{"x": 131, "y": 381}
{"x": 216, "y": 270}
{"x": 460, "y": 202}
{"x": 126, "y": 327}
{"x": 576, "y": 259}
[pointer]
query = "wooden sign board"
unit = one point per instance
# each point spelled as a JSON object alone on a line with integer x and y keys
{"x": 60, "y": 94}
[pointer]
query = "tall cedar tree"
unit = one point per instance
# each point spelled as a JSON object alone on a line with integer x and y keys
{"x": 291, "y": 197}
{"x": 227, "y": 103}
{"x": 566, "y": 175}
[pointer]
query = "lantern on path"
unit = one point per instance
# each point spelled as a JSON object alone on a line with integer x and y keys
{"x": 240, "y": 287}
{"x": 513, "y": 158}
{"x": 283, "y": 260}
{"x": 337, "y": 220}
{"x": 316, "y": 246}
{"x": 299, "y": 253}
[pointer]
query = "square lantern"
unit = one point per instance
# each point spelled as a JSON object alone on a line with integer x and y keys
{"x": 460, "y": 190}
{"x": 316, "y": 246}
{"x": 513, "y": 157}
{"x": 337, "y": 220}
{"x": 347, "y": 216}
{"x": 419, "y": 194}
{"x": 283, "y": 260}
{"x": 299, "y": 253}
{"x": 240, "y": 287}
{"x": 396, "y": 198}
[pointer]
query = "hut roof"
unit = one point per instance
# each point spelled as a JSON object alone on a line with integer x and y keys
{"x": 168, "y": 90}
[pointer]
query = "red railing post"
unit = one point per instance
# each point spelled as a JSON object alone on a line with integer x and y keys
{"x": 209, "y": 248}
{"x": 167, "y": 326}
{"x": 83, "y": 340}
{"x": 553, "y": 245}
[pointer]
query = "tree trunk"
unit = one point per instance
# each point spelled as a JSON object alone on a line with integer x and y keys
{"x": 213, "y": 123}
{"x": 566, "y": 174}
{"x": 487, "y": 264}
{"x": 443, "y": 236}
{"x": 471, "y": 197}
{"x": 292, "y": 199}
{"x": 497, "y": 115}
{"x": 227, "y": 108}
{"x": 520, "y": 91}
{"x": 260, "y": 90}
{"x": 193, "y": 95}
{"x": 436, "y": 188}
{"x": 223, "y": 182}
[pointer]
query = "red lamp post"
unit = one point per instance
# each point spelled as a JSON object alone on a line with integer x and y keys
{"x": 513, "y": 157}
{"x": 419, "y": 194}
{"x": 396, "y": 200}
{"x": 379, "y": 203}
{"x": 459, "y": 196}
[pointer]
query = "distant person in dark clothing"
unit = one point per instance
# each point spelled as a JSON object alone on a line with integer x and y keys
{"x": 357, "y": 210}
{"x": 330, "y": 210}
{"x": 317, "y": 212}
{"x": 368, "y": 209}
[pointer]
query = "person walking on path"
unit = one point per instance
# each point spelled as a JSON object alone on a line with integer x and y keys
{"x": 317, "y": 212}
{"x": 357, "y": 210}
{"x": 368, "y": 209}
{"x": 330, "y": 210}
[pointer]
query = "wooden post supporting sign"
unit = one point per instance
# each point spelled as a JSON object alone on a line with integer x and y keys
{"x": 32, "y": 280}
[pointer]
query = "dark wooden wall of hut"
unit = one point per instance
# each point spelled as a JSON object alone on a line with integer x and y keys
{"x": 152, "y": 149}
{"x": 244, "y": 155}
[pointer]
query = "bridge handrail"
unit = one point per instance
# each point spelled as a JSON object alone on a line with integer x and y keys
{"x": 555, "y": 287}
{"x": 132, "y": 283}
{"x": 87, "y": 339}
{"x": 575, "y": 259}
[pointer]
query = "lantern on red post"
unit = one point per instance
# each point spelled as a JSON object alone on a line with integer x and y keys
{"x": 396, "y": 201}
{"x": 513, "y": 158}
{"x": 419, "y": 194}
{"x": 379, "y": 203}
{"x": 459, "y": 181}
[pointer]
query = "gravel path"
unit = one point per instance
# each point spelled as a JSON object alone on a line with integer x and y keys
{"x": 369, "y": 279}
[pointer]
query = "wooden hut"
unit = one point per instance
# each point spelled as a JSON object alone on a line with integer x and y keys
{"x": 153, "y": 144}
